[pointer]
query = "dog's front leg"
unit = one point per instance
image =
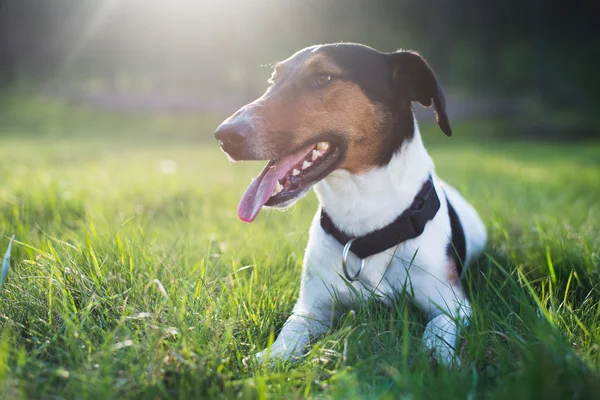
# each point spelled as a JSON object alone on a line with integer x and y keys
{"x": 442, "y": 332}
{"x": 311, "y": 317}
{"x": 448, "y": 310}
{"x": 304, "y": 324}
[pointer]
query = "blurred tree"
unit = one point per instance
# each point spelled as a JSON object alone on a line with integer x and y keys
{"x": 543, "y": 48}
{"x": 7, "y": 67}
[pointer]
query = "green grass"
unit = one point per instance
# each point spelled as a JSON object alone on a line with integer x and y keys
{"x": 129, "y": 282}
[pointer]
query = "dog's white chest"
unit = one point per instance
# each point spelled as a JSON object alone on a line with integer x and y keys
{"x": 395, "y": 271}
{"x": 383, "y": 274}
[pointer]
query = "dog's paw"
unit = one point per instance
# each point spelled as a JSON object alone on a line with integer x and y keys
{"x": 441, "y": 354}
{"x": 271, "y": 356}
{"x": 261, "y": 358}
{"x": 440, "y": 339}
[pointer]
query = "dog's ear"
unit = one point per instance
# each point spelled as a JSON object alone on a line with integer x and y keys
{"x": 414, "y": 79}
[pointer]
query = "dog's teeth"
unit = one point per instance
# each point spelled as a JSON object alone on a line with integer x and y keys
{"x": 278, "y": 188}
{"x": 323, "y": 146}
{"x": 295, "y": 172}
{"x": 306, "y": 164}
{"x": 315, "y": 155}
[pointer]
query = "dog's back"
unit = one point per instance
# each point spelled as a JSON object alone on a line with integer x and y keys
{"x": 475, "y": 232}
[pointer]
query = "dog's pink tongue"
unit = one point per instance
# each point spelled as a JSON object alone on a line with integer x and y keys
{"x": 261, "y": 188}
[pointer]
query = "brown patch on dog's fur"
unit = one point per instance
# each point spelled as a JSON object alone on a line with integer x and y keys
{"x": 362, "y": 121}
{"x": 453, "y": 277}
{"x": 294, "y": 113}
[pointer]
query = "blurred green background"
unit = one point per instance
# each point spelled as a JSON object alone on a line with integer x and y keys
{"x": 533, "y": 61}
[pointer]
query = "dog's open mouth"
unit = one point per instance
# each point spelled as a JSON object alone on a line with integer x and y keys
{"x": 288, "y": 178}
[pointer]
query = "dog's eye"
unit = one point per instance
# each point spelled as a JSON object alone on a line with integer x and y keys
{"x": 323, "y": 80}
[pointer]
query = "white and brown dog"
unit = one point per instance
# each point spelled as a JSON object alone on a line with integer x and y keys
{"x": 338, "y": 117}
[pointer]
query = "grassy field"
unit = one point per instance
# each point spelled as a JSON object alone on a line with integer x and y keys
{"x": 132, "y": 277}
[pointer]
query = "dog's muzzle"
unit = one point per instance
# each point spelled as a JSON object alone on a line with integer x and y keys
{"x": 234, "y": 137}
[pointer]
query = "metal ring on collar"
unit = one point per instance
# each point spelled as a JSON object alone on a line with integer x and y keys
{"x": 344, "y": 262}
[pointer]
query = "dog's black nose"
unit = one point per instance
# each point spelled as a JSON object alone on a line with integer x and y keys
{"x": 232, "y": 133}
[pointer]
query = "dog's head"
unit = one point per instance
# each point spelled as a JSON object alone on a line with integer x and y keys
{"x": 328, "y": 107}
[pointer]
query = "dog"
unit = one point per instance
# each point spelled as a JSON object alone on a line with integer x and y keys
{"x": 339, "y": 118}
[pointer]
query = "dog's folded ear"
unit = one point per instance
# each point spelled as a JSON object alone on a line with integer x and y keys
{"x": 414, "y": 79}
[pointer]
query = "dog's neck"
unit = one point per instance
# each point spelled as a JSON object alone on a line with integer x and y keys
{"x": 359, "y": 204}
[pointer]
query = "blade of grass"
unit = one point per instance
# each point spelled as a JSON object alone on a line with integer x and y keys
{"x": 550, "y": 265}
{"x": 6, "y": 263}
